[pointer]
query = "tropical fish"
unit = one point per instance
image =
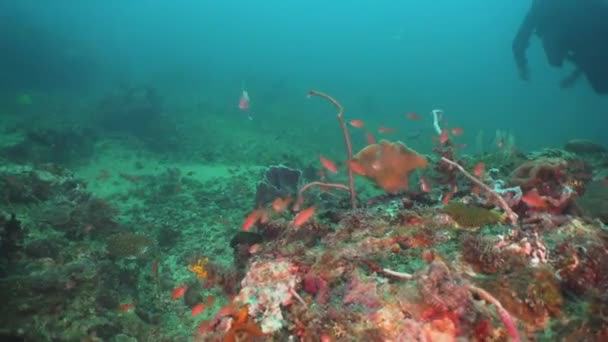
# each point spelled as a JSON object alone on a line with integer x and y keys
{"x": 251, "y": 219}
{"x": 370, "y": 138}
{"x": 457, "y": 131}
{"x": 479, "y": 169}
{"x": 356, "y": 123}
{"x": 447, "y": 197}
{"x": 533, "y": 199}
{"x": 328, "y": 164}
{"x": 280, "y": 204}
{"x": 425, "y": 186}
{"x": 443, "y": 138}
{"x": 179, "y": 292}
{"x": 244, "y": 100}
{"x": 356, "y": 167}
{"x": 413, "y": 116}
{"x": 383, "y": 130}
{"x": 197, "y": 309}
{"x": 254, "y": 248}
{"x": 303, "y": 216}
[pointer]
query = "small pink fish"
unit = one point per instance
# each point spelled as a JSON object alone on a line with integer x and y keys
{"x": 370, "y": 138}
{"x": 457, "y": 131}
{"x": 443, "y": 138}
{"x": 328, "y": 164}
{"x": 244, "y": 101}
{"x": 479, "y": 169}
{"x": 356, "y": 167}
{"x": 425, "y": 186}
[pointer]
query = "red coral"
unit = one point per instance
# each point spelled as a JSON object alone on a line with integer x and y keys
{"x": 362, "y": 292}
{"x": 318, "y": 286}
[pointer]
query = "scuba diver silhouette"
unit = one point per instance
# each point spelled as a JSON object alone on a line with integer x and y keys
{"x": 570, "y": 30}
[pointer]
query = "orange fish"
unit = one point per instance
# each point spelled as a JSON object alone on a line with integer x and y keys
{"x": 479, "y": 169}
{"x": 264, "y": 215}
{"x": 197, "y": 309}
{"x": 356, "y": 167}
{"x": 446, "y": 198}
{"x": 413, "y": 116}
{"x": 127, "y": 307}
{"x": 303, "y": 216}
{"x": 254, "y": 248}
{"x": 383, "y": 129}
{"x": 251, "y": 219}
{"x": 457, "y": 131}
{"x": 328, "y": 164}
{"x": 356, "y": 123}
{"x": 370, "y": 138}
{"x": 280, "y": 204}
{"x": 179, "y": 292}
{"x": 533, "y": 199}
{"x": 443, "y": 138}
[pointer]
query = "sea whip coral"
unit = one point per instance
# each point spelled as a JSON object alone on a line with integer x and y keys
{"x": 349, "y": 147}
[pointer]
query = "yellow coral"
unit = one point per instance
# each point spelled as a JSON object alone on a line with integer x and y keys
{"x": 198, "y": 267}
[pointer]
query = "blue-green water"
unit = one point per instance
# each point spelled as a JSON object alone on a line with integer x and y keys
{"x": 381, "y": 58}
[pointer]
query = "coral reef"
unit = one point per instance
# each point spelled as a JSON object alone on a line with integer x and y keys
{"x": 210, "y": 253}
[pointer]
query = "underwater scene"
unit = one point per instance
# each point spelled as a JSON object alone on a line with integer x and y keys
{"x": 237, "y": 170}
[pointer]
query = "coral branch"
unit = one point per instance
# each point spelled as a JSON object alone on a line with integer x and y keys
{"x": 349, "y": 148}
{"x": 511, "y": 216}
{"x": 396, "y": 274}
{"x": 300, "y": 198}
{"x": 436, "y": 113}
{"x": 504, "y": 315}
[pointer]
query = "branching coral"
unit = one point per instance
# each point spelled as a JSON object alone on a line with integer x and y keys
{"x": 349, "y": 148}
